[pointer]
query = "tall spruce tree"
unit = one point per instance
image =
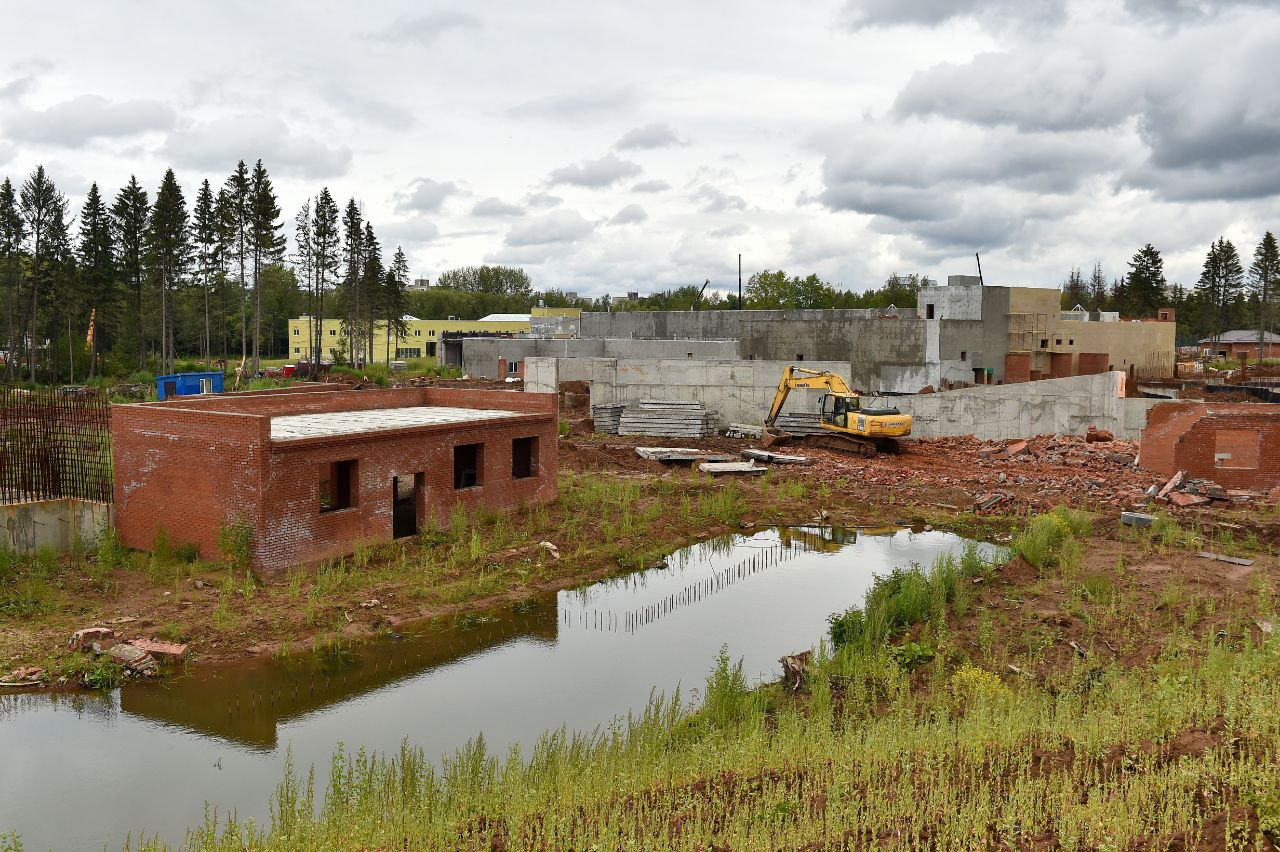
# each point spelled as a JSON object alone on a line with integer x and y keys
{"x": 238, "y": 190}
{"x": 1097, "y": 288}
{"x": 1075, "y": 290}
{"x": 303, "y": 262}
{"x": 43, "y": 209}
{"x": 394, "y": 298}
{"x": 208, "y": 258}
{"x": 371, "y": 281}
{"x": 129, "y": 216}
{"x": 1221, "y": 282}
{"x": 325, "y": 240}
{"x": 266, "y": 243}
{"x": 1146, "y": 291}
{"x": 352, "y": 264}
{"x": 226, "y": 218}
{"x": 168, "y": 256}
{"x": 97, "y": 256}
{"x": 1264, "y": 278}
{"x": 13, "y": 235}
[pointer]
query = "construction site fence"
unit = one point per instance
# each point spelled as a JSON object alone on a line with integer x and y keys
{"x": 54, "y": 445}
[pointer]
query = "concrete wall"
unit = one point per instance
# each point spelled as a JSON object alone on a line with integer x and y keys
{"x": 700, "y": 325}
{"x": 739, "y": 391}
{"x": 480, "y": 355}
{"x": 55, "y": 524}
{"x": 1052, "y": 406}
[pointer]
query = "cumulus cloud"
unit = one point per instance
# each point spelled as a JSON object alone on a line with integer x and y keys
{"x": 632, "y": 214}
{"x": 74, "y": 122}
{"x": 427, "y": 28}
{"x": 543, "y": 200}
{"x": 577, "y": 104}
{"x": 15, "y": 89}
{"x": 425, "y": 195}
{"x": 656, "y": 135}
{"x": 407, "y": 232}
{"x": 728, "y": 231}
{"x": 558, "y": 226}
{"x": 216, "y": 145}
{"x": 494, "y": 206}
{"x": 595, "y": 174}
{"x": 651, "y": 186}
{"x": 715, "y": 200}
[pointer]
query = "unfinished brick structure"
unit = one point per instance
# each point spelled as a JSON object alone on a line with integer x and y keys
{"x": 1235, "y": 445}
{"x": 314, "y": 472}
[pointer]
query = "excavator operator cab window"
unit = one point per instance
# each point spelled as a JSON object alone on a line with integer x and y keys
{"x": 835, "y": 409}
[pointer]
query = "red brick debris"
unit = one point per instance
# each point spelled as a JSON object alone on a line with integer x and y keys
{"x": 1031, "y": 475}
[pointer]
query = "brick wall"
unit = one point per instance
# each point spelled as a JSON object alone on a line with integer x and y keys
{"x": 191, "y": 470}
{"x": 1236, "y": 446}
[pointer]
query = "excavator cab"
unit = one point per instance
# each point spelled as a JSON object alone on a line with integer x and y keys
{"x": 836, "y": 409}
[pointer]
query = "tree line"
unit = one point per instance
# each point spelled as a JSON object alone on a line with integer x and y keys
{"x": 1224, "y": 297}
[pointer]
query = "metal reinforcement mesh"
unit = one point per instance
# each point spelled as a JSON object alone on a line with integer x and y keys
{"x": 54, "y": 444}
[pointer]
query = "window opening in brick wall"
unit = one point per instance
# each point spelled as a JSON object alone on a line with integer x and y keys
{"x": 1240, "y": 449}
{"x": 524, "y": 457}
{"x": 337, "y": 485}
{"x": 513, "y": 368}
{"x": 467, "y": 460}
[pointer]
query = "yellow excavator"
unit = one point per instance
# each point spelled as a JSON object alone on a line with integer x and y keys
{"x": 846, "y": 424}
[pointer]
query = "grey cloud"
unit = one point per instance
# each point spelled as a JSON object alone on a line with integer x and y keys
{"x": 425, "y": 29}
{"x": 728, "y": 231}
{"x": 425, "y": 195}
{"x": 577, "y": 105}
{"x": 558, "y": 226}
{"x": 407, "y": 232}
{"x": 369, "y": 108}
{"x": 216, "y": 145}
{"x": 860, "y": 14}
{"x": 632, "y": 214}
{"x": 595, "y": 174}
{"x": 74, "y": 122}
{"x": 718, "y": 201}
{"x": 656, "y": 135}
{"x": 543, "y": 199}
{"x": 651, "y": 186}
{"x": 494, "y": 206}
{"x": 1172, "y": 11}
{"x": 16, "y": 88}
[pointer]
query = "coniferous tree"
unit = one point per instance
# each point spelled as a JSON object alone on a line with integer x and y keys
{"x": 394, "y": 290}
{"x": 43, "y": 209}
{"x": 352, "y": 263}
{"x": 168, "y": 256}
{"x": 265, "y": 241}
{"x": 228, "y": 229}
{"x": 1264, "y": 278}
{"x": 371, "y": 281}
{"x": 1097, "y": 288}
{"x": 325, "y": 240}
{"x": 238, "y": 191}
{"x": 97, "y": 256}
{"x": 1146, "y": 282}
{"x": 303, "y": 262}
{"x": 129, "y": 216}
{"x": 13, "y": 235}
{"x": 208, "y": 256}
{"x": 1075, "y": 290}
{"x": 1119, "y": 296}
{"x": 1221, "y": 282}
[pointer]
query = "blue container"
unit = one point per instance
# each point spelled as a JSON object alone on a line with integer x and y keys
{"x": 188, "y": 384}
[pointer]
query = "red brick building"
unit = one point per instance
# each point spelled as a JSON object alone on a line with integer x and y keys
{"x": 1233, "y": 344}
{"x": 1235, "y": 445}
{"x": 313, "y": 471}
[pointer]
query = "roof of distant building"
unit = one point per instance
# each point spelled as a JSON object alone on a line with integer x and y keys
{"x": 505, "y": 318}
{"x": 1242, "y": 335}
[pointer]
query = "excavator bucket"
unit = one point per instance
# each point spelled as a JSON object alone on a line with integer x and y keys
{"x": 771, "y": 437}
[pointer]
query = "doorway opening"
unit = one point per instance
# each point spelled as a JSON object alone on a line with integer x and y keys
{"x": 404, "y": 505}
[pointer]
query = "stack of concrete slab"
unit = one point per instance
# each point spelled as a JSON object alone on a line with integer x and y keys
{"x": 664, "y": 418}
{"x": 799, "y": 423}
{"x": 607, "y": 416}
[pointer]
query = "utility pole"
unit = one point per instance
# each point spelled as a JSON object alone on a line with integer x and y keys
{"x": 739, "y": 280}
{"x": 979, "y": 259}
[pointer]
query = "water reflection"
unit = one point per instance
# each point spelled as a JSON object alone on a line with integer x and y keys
{"x": 150, "y": 755}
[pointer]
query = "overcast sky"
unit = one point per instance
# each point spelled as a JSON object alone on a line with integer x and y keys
{"x": 609, "y": 147}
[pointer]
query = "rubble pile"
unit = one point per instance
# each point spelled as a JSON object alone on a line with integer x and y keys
{"x": 1030, "y": 475}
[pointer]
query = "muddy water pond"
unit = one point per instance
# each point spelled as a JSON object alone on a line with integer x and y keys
{"x": 78, "y": 771}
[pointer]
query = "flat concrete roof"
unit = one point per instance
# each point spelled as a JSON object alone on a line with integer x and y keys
{"x": 297, "y": 427}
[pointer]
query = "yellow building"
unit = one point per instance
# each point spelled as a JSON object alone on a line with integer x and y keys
{"x": 422, "y": 338}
